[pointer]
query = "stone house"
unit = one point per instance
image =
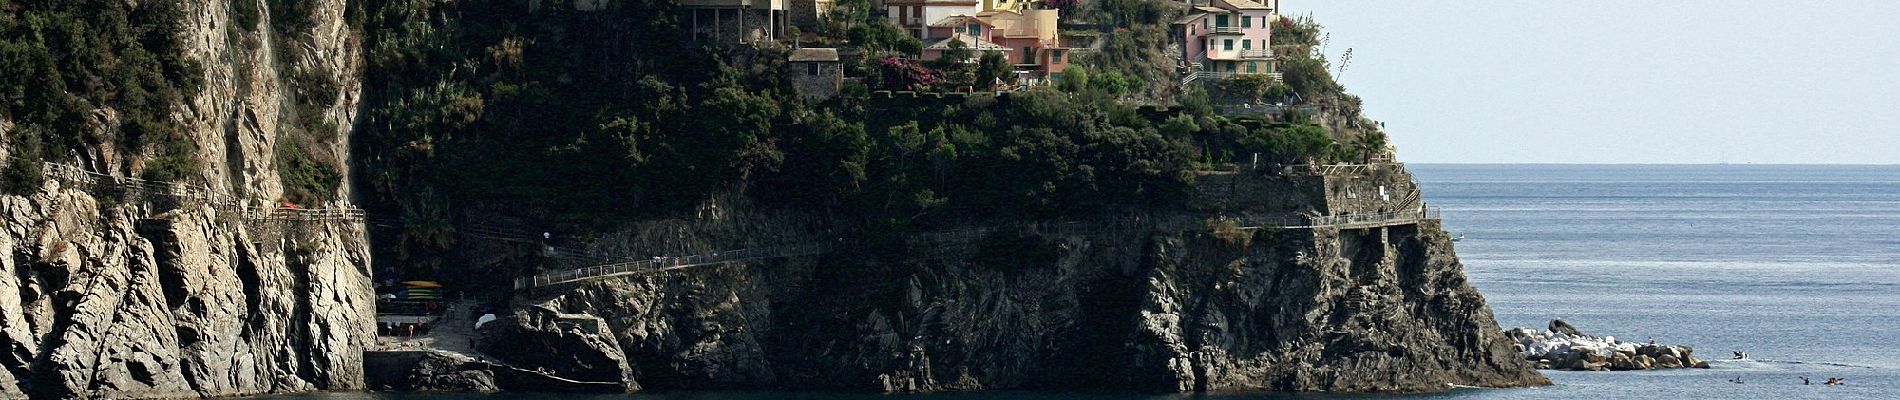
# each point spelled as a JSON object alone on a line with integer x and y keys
{"x": 815, "y": 73}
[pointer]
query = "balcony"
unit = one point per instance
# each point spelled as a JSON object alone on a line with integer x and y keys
{"x": 1215, "y": 75}
{"x": 1240, "y": 55}
{"x": 1226, "y": 30}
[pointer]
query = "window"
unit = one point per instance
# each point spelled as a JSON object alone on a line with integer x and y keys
{"x": 1029, "y": 54}
{"x": 1220, "y": 21}
{"x": 1253, "y": 67}
{"x": 1246, "y": 44}
{"x": 1055, "y": 56}
{"x": 1246, "y": 22}
{"x": 1227, "y": 45}
{"x": 1231, "y": 66}
{"x": 976, "y": 30}
{"x": 1206, "y": 43}
{"x": 811, "y": 69}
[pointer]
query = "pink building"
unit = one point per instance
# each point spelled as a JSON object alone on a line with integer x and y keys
{"x": 1228, "y": 37}
{"x": 1028, "y": 38}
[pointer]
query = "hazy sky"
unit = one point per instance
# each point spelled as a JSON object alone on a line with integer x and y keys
{"x": 1671, "y": 81}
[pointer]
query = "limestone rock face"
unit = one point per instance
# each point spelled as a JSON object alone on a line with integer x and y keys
{"x": 186, "y": 304}
{"x": 1382, "y": 309}
{"x": 106, "y": 297}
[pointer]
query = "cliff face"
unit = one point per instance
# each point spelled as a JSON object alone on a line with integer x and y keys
{"x": 116, "y": 293}
{"x": 1366, "y": 309}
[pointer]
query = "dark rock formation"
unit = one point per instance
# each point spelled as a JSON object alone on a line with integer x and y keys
{"x": 425, "y": 371}
{"x": 1372, "y": 309}
{"x": 571, "y": 346}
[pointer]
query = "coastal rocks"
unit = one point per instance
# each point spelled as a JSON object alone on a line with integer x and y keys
{"x": 110, "y": 302}
{"x": 425, "y": 371}
{"x": 1564, "y": 347}
{"x": 1370, "y": 310}
{"x": 571, "y": 346}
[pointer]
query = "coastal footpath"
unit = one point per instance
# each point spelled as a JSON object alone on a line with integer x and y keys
{"x": 1367, "y": 308}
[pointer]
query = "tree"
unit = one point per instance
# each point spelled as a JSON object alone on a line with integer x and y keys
{"x": 954, "y": 65}
{"x": 1179, "y": 126}
{"x": 880, "y": 35}
{"x": 994, "y": 69}
{"x": 1074, "y": 79}
{"x": 903, "y": 74}
{"x": 1250, "y": 88}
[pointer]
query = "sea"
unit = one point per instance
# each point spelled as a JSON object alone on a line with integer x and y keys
{"x": 1796, "y": 265}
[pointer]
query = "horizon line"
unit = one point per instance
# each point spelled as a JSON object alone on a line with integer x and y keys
{"x": 1661, "y": 163}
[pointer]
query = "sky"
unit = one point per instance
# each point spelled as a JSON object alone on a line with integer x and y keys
{"x": 1619, "y": 81}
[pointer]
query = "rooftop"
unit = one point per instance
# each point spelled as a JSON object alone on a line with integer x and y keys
{"x": 971, "y": 42}
{"x": 1246, "y": 5}
{"x": 955, "y": 20}
{"x": 814, "y": 54}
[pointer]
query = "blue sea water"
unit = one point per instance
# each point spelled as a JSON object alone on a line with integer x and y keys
{"x": 1797, "y": 265}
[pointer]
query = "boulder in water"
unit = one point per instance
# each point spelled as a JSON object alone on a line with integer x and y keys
{"x": 1563, "y": 346}
{"x": 1559, "y": 326}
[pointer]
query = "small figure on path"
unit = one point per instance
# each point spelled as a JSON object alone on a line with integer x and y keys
{"x": 1740, "y": 355}
{"x": 1737, "y": 380}
{"x": 1805, "y": 381}
{"x": 1836, "y": 381}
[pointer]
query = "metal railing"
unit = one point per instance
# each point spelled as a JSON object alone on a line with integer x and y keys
{"x": 657, "y": 264}
{"x": 1229, "y": 29}
{"x": 936, "y": 241}
{"x": 1337, "y": 169}
{"x": 1378, "y": 219}
{"x": 96, "y": 182}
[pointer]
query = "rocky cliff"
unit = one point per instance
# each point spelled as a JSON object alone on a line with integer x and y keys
{"x": 116, "y": 291}
{"x": 1356, "y": 309}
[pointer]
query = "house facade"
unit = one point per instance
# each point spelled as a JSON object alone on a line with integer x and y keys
{"x": 916, "y": 16}
{"x": 1033, "y": 41}
{"x": 808, "y": 15}
{"x": 1225, "y": 38}
{"x": 1029, "y": 39}
{"x": 737, "y": 21}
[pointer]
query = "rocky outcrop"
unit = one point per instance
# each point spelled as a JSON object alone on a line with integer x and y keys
{"x": 1562, "y": 346}
{"x": 576, "y": 347}
{"x": 112, "y": 296}
{"x": 1376, "y": 309}
{"x": 106, "y": 301}
{"x": 425, "y": 371}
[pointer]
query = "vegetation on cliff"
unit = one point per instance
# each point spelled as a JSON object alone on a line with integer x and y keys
{"x": 94, "y": 74}
{"x": 588, "y": 119}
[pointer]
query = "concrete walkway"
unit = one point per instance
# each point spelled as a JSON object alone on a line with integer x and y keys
{"x": 452, "y": 334}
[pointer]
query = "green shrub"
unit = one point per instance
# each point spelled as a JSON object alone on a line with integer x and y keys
{"x": 245, "y": 14}
{"x": 21, "y": 177}
{"x": 306, "y": 180}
